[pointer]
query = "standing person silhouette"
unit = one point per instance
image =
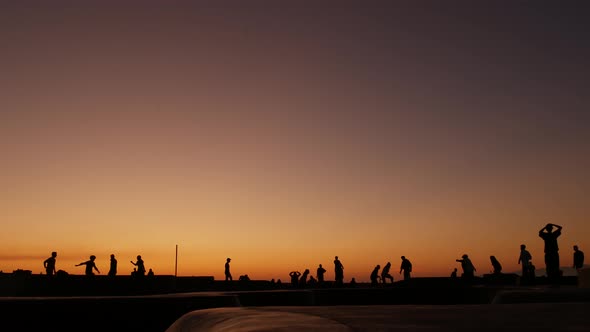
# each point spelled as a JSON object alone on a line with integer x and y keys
{"x": 227, "y": 273}
{"x": 140, "y": 267}
{"x": 90, "y": 265}
{"x": 525, "y": 261}
{"x": 113, "y": 269}
{"x": 406, "y": 267}
{"x": 49, "y": 264}
{"x": 551, "y": 251}
{"x": 338, "y": 271}
{"x": 385, "y": 273}
{"x": 320, "y": 274}
{"x": 578, "y": 259}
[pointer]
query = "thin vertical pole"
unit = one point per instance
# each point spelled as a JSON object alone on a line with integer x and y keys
{"x": 176, "y": 263}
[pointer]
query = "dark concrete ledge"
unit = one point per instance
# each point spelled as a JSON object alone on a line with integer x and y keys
{"x": 545, "y": 295}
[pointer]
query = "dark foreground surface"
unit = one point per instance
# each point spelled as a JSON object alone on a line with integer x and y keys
{"x": 501, "y": 317}
{"x": 363, "y": 309}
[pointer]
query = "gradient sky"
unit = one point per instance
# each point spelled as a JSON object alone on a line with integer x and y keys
{"x": 281, "y": 134}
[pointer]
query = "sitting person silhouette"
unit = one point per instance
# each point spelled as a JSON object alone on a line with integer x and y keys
{"x": 467, "y": 266}
{"x": 140, "y": 267}
{"x": 496, "y": 265}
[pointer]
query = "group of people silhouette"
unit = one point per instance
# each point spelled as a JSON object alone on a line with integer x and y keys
{"x": 139, "y": 270}
{"x": 405, "y": 267}
{"x": 549, "y": 233}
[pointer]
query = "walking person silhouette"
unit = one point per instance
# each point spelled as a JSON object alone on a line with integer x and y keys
{"x": 227, "y": 273}
{"x": 338, "y": 271}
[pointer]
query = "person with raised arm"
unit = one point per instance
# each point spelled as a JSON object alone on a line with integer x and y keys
{"x": 140, "y": 267}
{"x": 467, "y": 266}
{"x": 90, "y": 266}
{"x": 551, "y": 251}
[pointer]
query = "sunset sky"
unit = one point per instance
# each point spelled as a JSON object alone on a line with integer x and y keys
{"x": 283, "y": 133}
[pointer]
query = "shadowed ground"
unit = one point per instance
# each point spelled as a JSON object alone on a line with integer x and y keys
{"x": 349, "y": 307}
{"x": 504, "y": 317}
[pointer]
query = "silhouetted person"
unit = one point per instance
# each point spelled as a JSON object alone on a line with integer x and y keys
{"x": 525, "y": 260}
{"x": 244, "y": 278}
{"x": 385, "y": 273}
{"x": 454, "y": 273}
{"x": 49, "y": 264}
{"x": 227, "y": 273}
{"x": 496, "y": 265}
{"x": 531, "y": 272}
{"x": 140, "y": 267}
{"x": 551, "y": 251}
{"x": 312, "y": 281}
{"x": 320, "y": 274}
{"x": 90, "y": 266}
{"x": 272, "y": 281}
{"x": 150, "y": 273}
{"x": 375, "y": 276}
{"x": 406, "y": 266}
{"x": 352, "y": 282}
{"x": 303, "y": 278}
{"x": 279, "y": 282}
{"x": 467, "y": 266}
{"x": 578, "y": 258}
{"x": 113, "y": 269}
{"x": 294, "y": 277}
{"x": 338, "y": 271}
